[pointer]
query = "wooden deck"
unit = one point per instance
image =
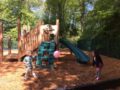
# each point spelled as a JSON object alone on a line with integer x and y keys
{"x": 11, "y": 56}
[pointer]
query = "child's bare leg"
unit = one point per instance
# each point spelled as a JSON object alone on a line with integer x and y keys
{"x": 98, "y": 72}
{"x": 26, "y": 74}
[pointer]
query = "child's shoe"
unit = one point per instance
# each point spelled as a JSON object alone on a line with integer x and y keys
{"x": 97, "y": 78}
{"x": 34, "y": 75}
{"x": 25, "y": 79}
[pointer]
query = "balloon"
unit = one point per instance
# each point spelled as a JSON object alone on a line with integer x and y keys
{"x": 56, "y": 54}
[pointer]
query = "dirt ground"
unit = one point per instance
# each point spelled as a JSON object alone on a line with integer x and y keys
{"x": 68, "y": 73}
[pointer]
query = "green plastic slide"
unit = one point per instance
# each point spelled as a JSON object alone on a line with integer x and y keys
{"x": 80, "y": 55}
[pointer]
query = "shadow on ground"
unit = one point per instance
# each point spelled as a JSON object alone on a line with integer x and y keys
{"x": 9, "y": 66}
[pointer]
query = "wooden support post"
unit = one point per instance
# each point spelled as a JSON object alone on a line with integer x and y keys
{"x": 9, "y": 45}
{"x": 40, "y": 34}
{"x": 57, "y": 37}
{"x": 19, "y": 35}
{"x": 1, "y": 41}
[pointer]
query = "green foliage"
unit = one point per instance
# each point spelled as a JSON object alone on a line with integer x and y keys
{"x": 13, "y": 34}
{"x": 10, "y": 10}
{"x": 102, "y": 28}
{"x": 70, "y": 14}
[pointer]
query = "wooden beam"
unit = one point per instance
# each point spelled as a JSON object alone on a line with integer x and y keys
{"x": 1, "y": 41}
{"x": 19, "y": 35}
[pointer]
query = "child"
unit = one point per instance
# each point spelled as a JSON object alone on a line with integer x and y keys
{"x": 98, "y": 63}
{"x": 28, "y": 64}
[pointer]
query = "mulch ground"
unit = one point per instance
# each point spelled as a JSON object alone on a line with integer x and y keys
{"x": 68, "y": 73}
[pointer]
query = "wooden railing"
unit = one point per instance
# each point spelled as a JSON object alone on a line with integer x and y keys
{"x": 29, "y": 41}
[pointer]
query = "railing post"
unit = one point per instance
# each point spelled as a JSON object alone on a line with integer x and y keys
{"x": 19, "y": 35}
{"x": 1, "y": 41}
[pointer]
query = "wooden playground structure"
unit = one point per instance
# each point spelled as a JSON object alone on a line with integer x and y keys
{"x": 29, "y": 40}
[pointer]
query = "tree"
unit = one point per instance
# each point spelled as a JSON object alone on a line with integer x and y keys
{"x": 10, "y": 10}
{"x": 102, "y": 27}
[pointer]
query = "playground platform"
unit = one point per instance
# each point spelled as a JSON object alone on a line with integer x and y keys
{"x": 5, "y": 51}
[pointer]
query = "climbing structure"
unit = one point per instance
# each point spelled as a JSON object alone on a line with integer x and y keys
{"x": 45, "y": 53}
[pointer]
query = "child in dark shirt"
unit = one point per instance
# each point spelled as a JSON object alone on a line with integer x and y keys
{"x": 98, "y": 63}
